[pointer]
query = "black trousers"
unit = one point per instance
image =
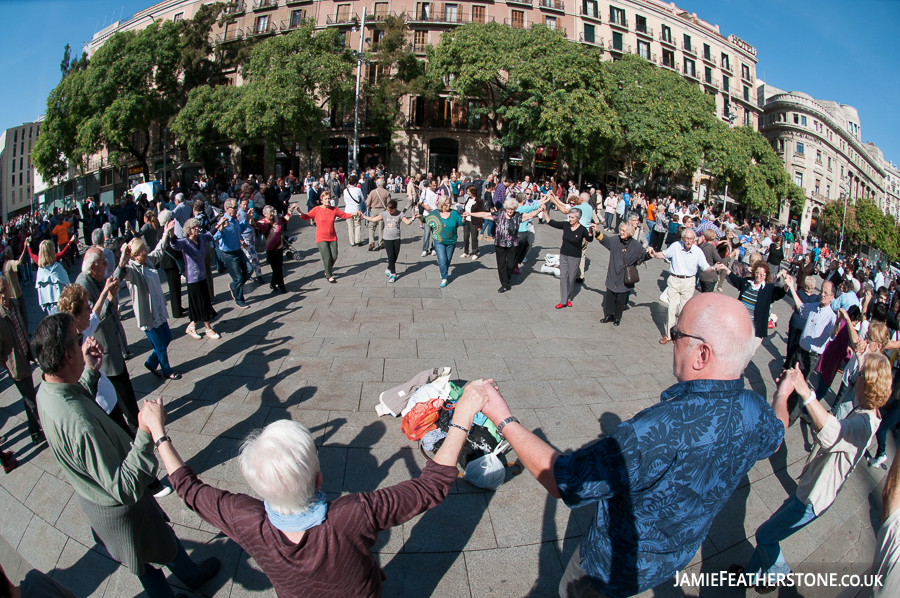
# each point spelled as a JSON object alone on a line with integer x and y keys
{"x": 523, "y": 248}
{"x": 805, "y": 360}
{"x": 276, "y": 262}
{"x": 656, "y": 240}
{"x": 127, "y": 398}
{"x": 26, "y": 389}
{"x": 174, "y": 279}
{"x": 470, "y": 231}
{"x": 506, "y": 263}
{"x": 708, "y": 287}
{"x": 614, "y": 304}
{"x": 392, "y": 247}
{"x": 793, "y": 343}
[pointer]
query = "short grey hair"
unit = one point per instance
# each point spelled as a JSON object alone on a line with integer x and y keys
{"x": 191, "y": 223}
{"x": 164, "y": 217}
{"x": 379, "y": 181}
{"x": 108, "y": 230}
{"x": 91, "y": 256}
{"x": 281, "y": 463}
{"x": 230, "y": 203}
{"x": 510, "y": 204}
{"x": 179, "y": 197}
{"x": 634, "y": 215}
{"x": 268, "y": 210}
{"x": 97, "y": 237}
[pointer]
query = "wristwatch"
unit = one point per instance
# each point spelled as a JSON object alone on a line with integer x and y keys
{"x": 502, "y": 424}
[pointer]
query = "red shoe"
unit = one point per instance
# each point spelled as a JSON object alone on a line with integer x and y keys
{"x": 560, "y": 305}
{"x": 9, "y": 463}
{"x": 568, "y": 304}
{"x": 516, "y": 271}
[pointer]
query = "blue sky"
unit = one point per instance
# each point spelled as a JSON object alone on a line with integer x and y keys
{"x": 841, "y": 50}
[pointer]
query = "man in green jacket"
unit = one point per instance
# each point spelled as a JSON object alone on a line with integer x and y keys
{"x": 108, "y": 471}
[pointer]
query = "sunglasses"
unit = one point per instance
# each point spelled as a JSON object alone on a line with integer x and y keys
{"x": 676, "y": 334}
{"x": 78, "y": 339}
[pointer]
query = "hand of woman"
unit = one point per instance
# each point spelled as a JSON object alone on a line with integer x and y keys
{"x": 798, "y": 380}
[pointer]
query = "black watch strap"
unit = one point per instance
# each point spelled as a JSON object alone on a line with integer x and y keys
{"x": 502, "y": 424}
{"x": 161, "y": 440}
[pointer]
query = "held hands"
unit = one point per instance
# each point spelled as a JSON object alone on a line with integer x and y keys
{"x": 472, "y": 401}
{"x": 496, "y": 408}
{"x": 93, "y": 353}
{"x": 798, "y": 381}
{"x": 152, "y": 417}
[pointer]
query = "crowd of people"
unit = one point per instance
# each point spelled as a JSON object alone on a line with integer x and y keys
{"x": 660, "y": 478}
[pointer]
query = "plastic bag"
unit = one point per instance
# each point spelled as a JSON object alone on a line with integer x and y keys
{"x": 421, "y": 419}
{"x": 488, "y": 471}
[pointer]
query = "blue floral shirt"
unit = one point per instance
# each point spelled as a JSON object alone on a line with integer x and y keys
{"x": 662, "y": 477}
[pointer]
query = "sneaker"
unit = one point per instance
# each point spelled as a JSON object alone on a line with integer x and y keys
{"x": 165, "y": 491}
{"x": 444, "y": 282}
{"x": 392, "y": 278}
{"x": 877, "y": 461}
{"x": 465, "y": 255}
{"x": 433, "y": 252}
{"x": 524, "y": 259}
{"x": 387, "y": 272}
{"x": 242, "y": 304}
{"x": 424, "y": 253}
{"x": 474, "y": 258}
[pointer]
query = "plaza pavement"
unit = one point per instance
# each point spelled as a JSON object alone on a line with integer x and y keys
{"x": 323, "y": 352}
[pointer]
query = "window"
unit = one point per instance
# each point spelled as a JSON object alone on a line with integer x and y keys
{"x": 297, "y": 17}
{"x": 707, "y": 75}
{"x": 707, "y": 52}
{"x": 550, "y": 22}
{"x": 589, "y": 34}
{"x": 640, "y": 24}
{"x": 818, "y": 156}
{"x": 13, "y": 180}
{"x": 381, "y": 10}
{"x": 419, "y": 40}
{"x": 14, "y": 149}
{"x": 726, "y": 63}
{"x": 803, "y": 120}
{"x": 450, "y": 13}
{"x": 474, "y": 120}
{"x": 801, "y": 149}
{"x": 178, "y": 16}
{"x": 423, "y": 11}
{"x": 668, "y": 58}
{"x": 617, "y": 16}
{"x": 796, "y": 119}
{"x": 20, "y": 178}
{"x": 230, "y": 29}
{"x": 726, "y": 83}
{"x": 798, "y": 179}
{"x": 827, "y": 191}
{"x": 518, "y": 19}
{"x": 589, "y": 8}
{"x": 666, "y": 34}
{"x": 643, "y": 49}
{"x": 829, "y": 162}
{"x": 617, "y": 41}
{"x": 15, "y": 136}
{"x": 690, "y": 67}
{"x": 745, "y": 72}
{"x": 781, "y": 145}
{"x": 478, "y": 14}
{"x": 746, "y": 117}
{"x": 818, "y": 182}
{"x": 262, "y": 23}
{"x": 21, "y": 163}
{"x": 687, "y": 43}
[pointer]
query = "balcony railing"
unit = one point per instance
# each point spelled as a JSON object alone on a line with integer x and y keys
{"x": 646, "y": 31}
{"x": 726, "y": 65}
{"x": 448, "y": 18}
{"x": 666, "y": 64}
{"x": 553, "y": 5}
{"x": 621, "y": 48}
{"x": 667, "y": 40}
{"x": 711, "y": 82}
{"x": 595, "y": 41}
{"x": 345, "y": 19}
{"x": 622, "y": 23}
{"x": 290, "y": 2}
{"x": 419, "y": 48}
{"x": 229, "y": 36}
{"x": 288, "y": 24}
{"x": 379, "y": 16}
{"x": 514, "y": 23}
{"x": 590, "y": 12}
{"x": 689, "y": 49}
{"x": 264, "y": 4}
{"x": 708, "y": 58}
{"x": 527, "y": 2}
{"x": 268, "y": 29}
{"x": 692, "y": 73}
{"x": 236, "y": 8}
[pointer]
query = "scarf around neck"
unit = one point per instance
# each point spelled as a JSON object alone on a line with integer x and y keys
{"x": 299, "y": 522}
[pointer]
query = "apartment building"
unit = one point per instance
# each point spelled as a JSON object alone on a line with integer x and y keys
{"x": 17, "y": 177}
{"x": 820, "y": 143}
{"x": 441, "y": 135}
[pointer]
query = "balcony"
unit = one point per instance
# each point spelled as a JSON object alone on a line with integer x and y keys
{"x": 689, "y": 49}
{"x": 561, "y": 30}
{"x": 229, "y": 36}
{"x": 380, "y": 16}
{"x": 514, "y": 23}
{"x": 446, "y": 18}
{"x": 691, "y": 73}
{"x": 708, "y": 58}
{"x": 419, "y": 48}
{"x": 342, "y": 19}
{"x": 590, "y": 12}
{"x": 714, "y": 83}
{"x": 288, "y": 24}
{"x": 237, "y": 8}
{"x": 620, "y": 48}
{"x": 726, "y": 65}
{"x": 264, "y": 5}
{"x": 291, "y": 2}
{"x": 646, "y": 31}
{"x": 619, "y": 23}
{"x": 596, "y": 41}
{"x": 668, "y": 64}
{"x": 525, "y": 2}
{"x": 267, "y": 29}
{"x": 552, "y": 5}
{"x": 667, "y": 40}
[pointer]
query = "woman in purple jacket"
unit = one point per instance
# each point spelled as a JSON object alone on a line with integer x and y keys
{"x": 193, "y": 247}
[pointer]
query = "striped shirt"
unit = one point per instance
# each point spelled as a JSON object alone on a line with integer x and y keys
{"x": 749, "y": 296}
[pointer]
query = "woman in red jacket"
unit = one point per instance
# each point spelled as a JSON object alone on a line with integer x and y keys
{"x": 326, "y": 239}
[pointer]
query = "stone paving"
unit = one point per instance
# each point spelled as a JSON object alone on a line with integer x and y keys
{"x": 323, "y": 352}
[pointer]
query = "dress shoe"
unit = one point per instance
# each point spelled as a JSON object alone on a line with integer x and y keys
{"x": 616, "y": 322}
{"x": 607, "y": 320}
{"x": 37, "y": 438}
{"x": 663, "y": 340}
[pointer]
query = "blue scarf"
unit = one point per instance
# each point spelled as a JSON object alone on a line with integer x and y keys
{"x": 299, "y": 522}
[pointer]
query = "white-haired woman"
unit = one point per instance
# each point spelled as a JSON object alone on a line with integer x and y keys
{"x": 574, "y": 236}
{"x": 305, "y": 544}
{"x": 624, "y": 252}
{"x": 193, "y": 248}
{"x": 51, "y": 277}
{"x": 271, "y": 227}
{"x": 148, "y": 302}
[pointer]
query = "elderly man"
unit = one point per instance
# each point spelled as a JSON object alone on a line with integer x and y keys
{"x": 685, "y": 259}
{"x": 15, "y": 351}
{"x": 182, "y": 212}
{"x": 228, "y": 237}
{"x": 661, "y": 477}
{"x": 707, "y": 243}
{"x": 376, "y": 201}
{"x": 108, "y": 471}
{"x": 306, "y": 544}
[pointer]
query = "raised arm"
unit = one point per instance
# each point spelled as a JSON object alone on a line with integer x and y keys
{"x": 62, "y": 252}
{"x": 890, "y": 496}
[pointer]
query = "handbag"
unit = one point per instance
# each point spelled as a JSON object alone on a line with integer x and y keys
{"x": 631, "y": 272}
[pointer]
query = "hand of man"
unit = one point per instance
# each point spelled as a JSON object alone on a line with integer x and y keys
{"x": 152, "y": 417}
{"x": 93, "y": 353}
{"x": 496, "y": 408}
{"x": 798, "y": 381}
{"x": 472, "y": 400}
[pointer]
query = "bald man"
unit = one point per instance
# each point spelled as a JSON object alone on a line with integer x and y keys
{"x": 661, "y": 477}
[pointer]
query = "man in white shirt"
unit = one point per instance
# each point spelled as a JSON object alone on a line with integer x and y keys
{"x": 428, "y": 202}
{"x": 685, "y": 260}
{"x": 879, "y": 279}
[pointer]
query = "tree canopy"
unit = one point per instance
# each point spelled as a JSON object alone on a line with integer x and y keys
{"x": 865, "y": 224}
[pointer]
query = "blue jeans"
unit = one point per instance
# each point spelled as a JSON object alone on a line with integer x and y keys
{"x": 890, "y": 415}
{"x": 427, "y": 242}
{"x": 159, "y": 337}
{"x": 792, "y": 516}
{"x": 444, "y": 255}
{"x": 154, "y": 580}
{"x": 651, "y": 224}
{"x": 488, "y": 227}
{"x": 239, "y": 270}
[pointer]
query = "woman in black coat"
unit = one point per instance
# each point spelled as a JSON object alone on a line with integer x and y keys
{"x": 757, "y": 292}
{"x": 624, "y": 251}
{"x": 169, "y": 262}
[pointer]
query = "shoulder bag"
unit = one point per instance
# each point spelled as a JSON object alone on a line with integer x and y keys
{"x": 631, "y": 272}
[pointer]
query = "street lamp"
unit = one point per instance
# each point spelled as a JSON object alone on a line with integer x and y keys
{"x": 731, "y": 116}
{"x": 360, "y": 58}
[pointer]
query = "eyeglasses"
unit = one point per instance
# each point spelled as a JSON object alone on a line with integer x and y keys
{"x": 676, "y": 334}
{"x": 78, "y": 339}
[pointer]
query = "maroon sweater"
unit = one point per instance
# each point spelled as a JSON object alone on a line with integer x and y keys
{"x": 333, "y": 558}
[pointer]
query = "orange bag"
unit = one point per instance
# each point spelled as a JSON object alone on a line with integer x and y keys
{"x": 421, "y": 419}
